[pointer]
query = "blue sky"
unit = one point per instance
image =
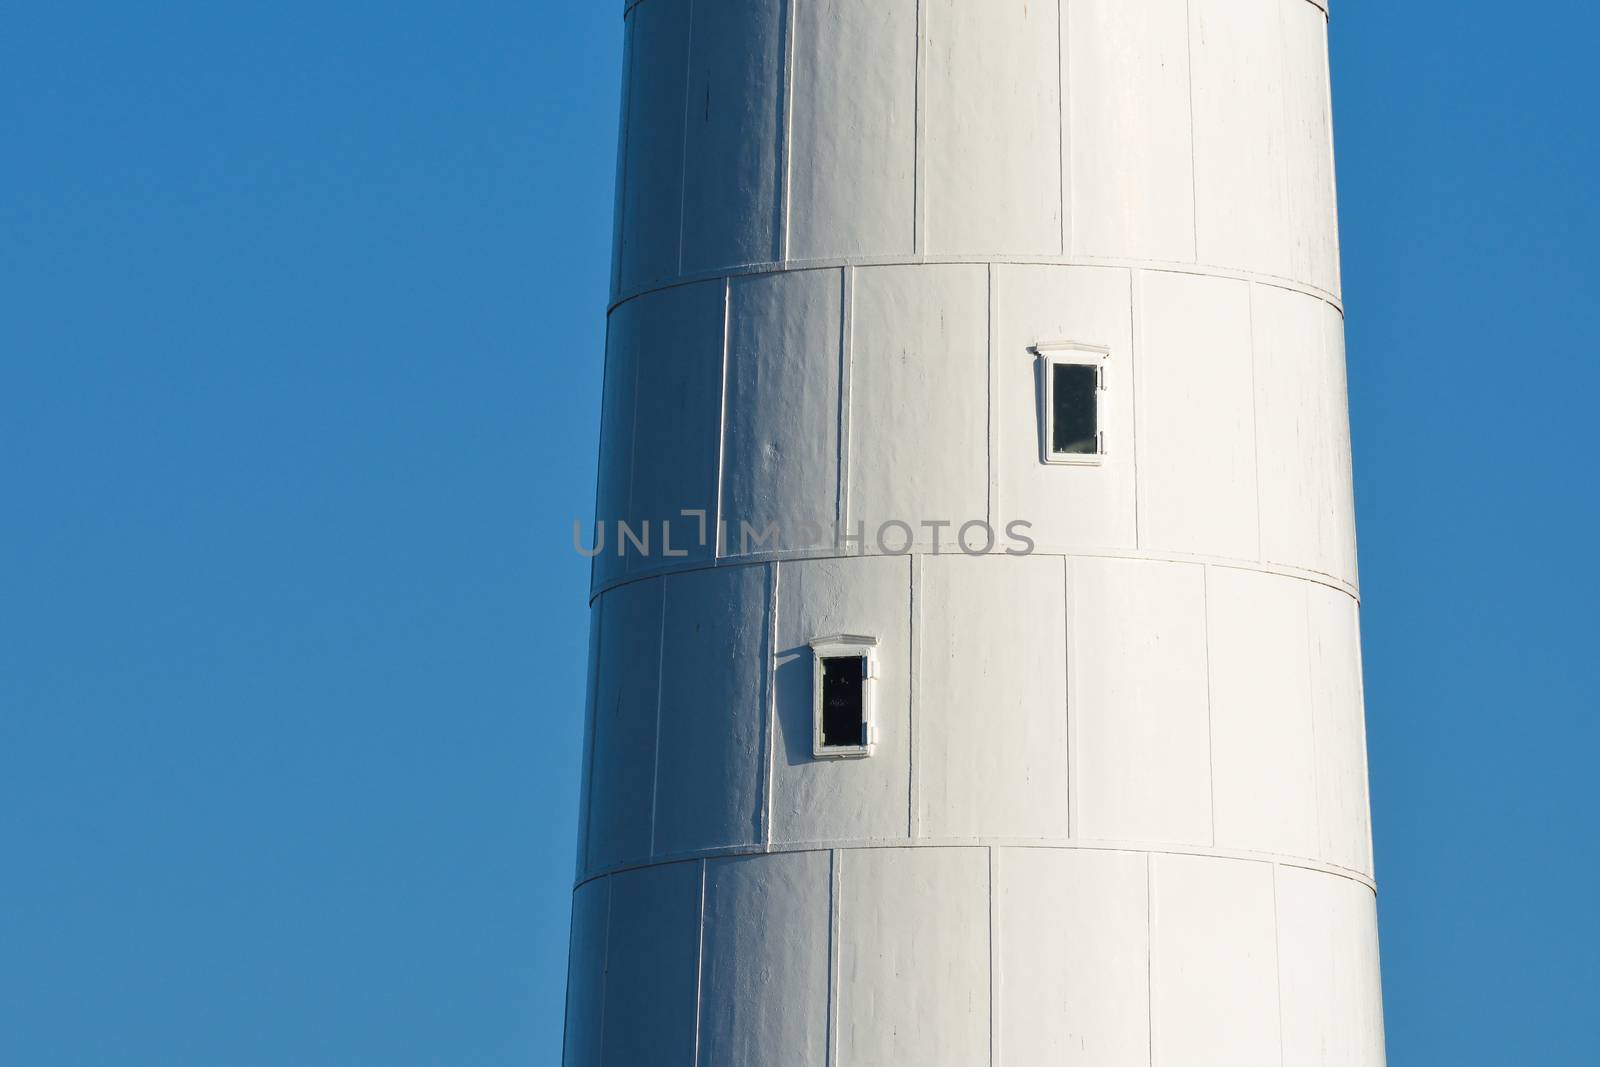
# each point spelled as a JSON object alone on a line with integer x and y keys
{"x": 301, "y": 315}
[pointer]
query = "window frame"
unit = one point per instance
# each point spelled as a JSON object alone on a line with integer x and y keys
{"x": 1049, "y": 355}
{"x": 845, "y": 646}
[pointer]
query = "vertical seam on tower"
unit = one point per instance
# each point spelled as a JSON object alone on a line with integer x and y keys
{"x": 1136, "y": 327}
{"x": 992, "y": 431}
{"x": 786, "y": 129}
{"x": 683, "y": 152}
{"x": 599, "y": 459}
{"x": 1194, "y": 153}
{"x": 1150, "y": 956}
{"x": 1371, "y": 863}
{"x": 1255, "y": 424}
{"x": 919, "y": 136}
{"x": 1277, "y": 959}
{"x": 630, "y": 53}
{"x": 1072, "y": 718}
{"x": 914, "y": 800}
{"x": 655, "y": 772}
{"x": 633, "y": 451}
{"x": 1063, "y": 190}
{"x": 700, "y": 963}
{"x": 594, "y": 739}
{"x": 1211, "y": 729}
{"x": 769, "y": 682}
{"x": 846, "y": 328}
{"x": 834, "y": 884}
{"x": 1337, "y": 280}
{"x": 994, "y": 958}
{"x": 717, "y": 547}
{"x": 1316, "y": 755}
{"x": 1135, "y": 293}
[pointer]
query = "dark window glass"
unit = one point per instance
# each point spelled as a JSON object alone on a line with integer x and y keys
{"x": 1074, "y": 428}
{"x": 842, "y": 678}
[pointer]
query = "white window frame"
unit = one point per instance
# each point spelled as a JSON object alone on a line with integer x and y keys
{"x": 1050, "y": 355}
{"x": 845, "y": 646}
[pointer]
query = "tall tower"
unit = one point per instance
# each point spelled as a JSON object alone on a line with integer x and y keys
{"x": 859, "y": 793}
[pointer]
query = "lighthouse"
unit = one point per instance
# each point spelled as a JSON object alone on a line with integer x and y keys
{"x": 975, "y": 673}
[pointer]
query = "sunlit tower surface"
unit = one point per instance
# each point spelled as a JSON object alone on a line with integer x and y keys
{"x": 893, "y": 278}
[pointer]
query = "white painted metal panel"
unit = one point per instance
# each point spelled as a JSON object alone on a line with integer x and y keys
{"x": 1213, "y": 964}
{"x": 1073, "y": 988}
{"x": 1129, "y": 136}
{"x": 1328, "y": 971}
{"x": 1264, "y": 773}
{"x": 615, "y": 476}
{"x": 652, "y": 947}
{"x": 1308, "y": 119}
{"x": 913, "y": 957}
{"x": 652, "y": 178}
{"x": 1069, "y": 507}
{"x": 591, "y": 701}
{"x": 586, "y": 974}
{"x": 1336, "y": 395}
{"x": 853, "y": 143}
{"x": 1197, "y": 476}
{"x": 993, "y": 125}
{"x": 920, "y": 343}
{"x": 710, "y": 754}
{"x": 1340, "y": 727}
{"x": 1139, "y": 700}
{"x": 1307, "y": 514}
{"x": 842, "y": 800}
{"x": 991, "y": 703}
{"x": 622, "y": 779}
{"x": 731, "y": 179}
{"x": 1242, "y": 214}
{"x": 677, "y": 347}
{"x": 764, "y": 977}
{"x": 780, "y": 466}
{"x": 618, "y": 205}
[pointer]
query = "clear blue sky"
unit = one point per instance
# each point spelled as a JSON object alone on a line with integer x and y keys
{"x": 301, "y": 312}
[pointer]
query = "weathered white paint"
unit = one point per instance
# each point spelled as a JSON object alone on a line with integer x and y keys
{"x": 1196, "y": 417}
{"x": 1073, "y": 930}
{"x": 917, "y": 348}
{"x": 913, "y": 956}
{"x": 1131, "y": 173}
{"x": 1213, "y": 964}
{"x": 852, "y": 157}
{"x": 586, "y": 973}
{"x": 651, "y": 193}
{"x": 764, "y": 973}
{"x": 711, "y": 727}
{"x": 620, "y": 796}
{"x": 993, "y": 128}
{"x": 991, "y": 716}
{"x": 652, "y": 947}
{"x": 780, "y": 469}
{"x": 851, "y": 800}
{"x": 1303, "y": 437}
{"x": 1340, "y": 730}
{"x": 1034, "y": 304}
{"x": 1327, "y": 954}
{"x": 1140, "y": 700}
{"x": 1116, "y": 807}
{"x": 732, "y": 133}
{"x": 1263, "y": 746}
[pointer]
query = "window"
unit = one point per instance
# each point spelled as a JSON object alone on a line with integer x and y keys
{"x": 842, "y": 675}
{"x": 1072, "y": 378}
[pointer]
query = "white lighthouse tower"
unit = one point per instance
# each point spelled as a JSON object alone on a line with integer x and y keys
{"x": 975, "y": 672}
